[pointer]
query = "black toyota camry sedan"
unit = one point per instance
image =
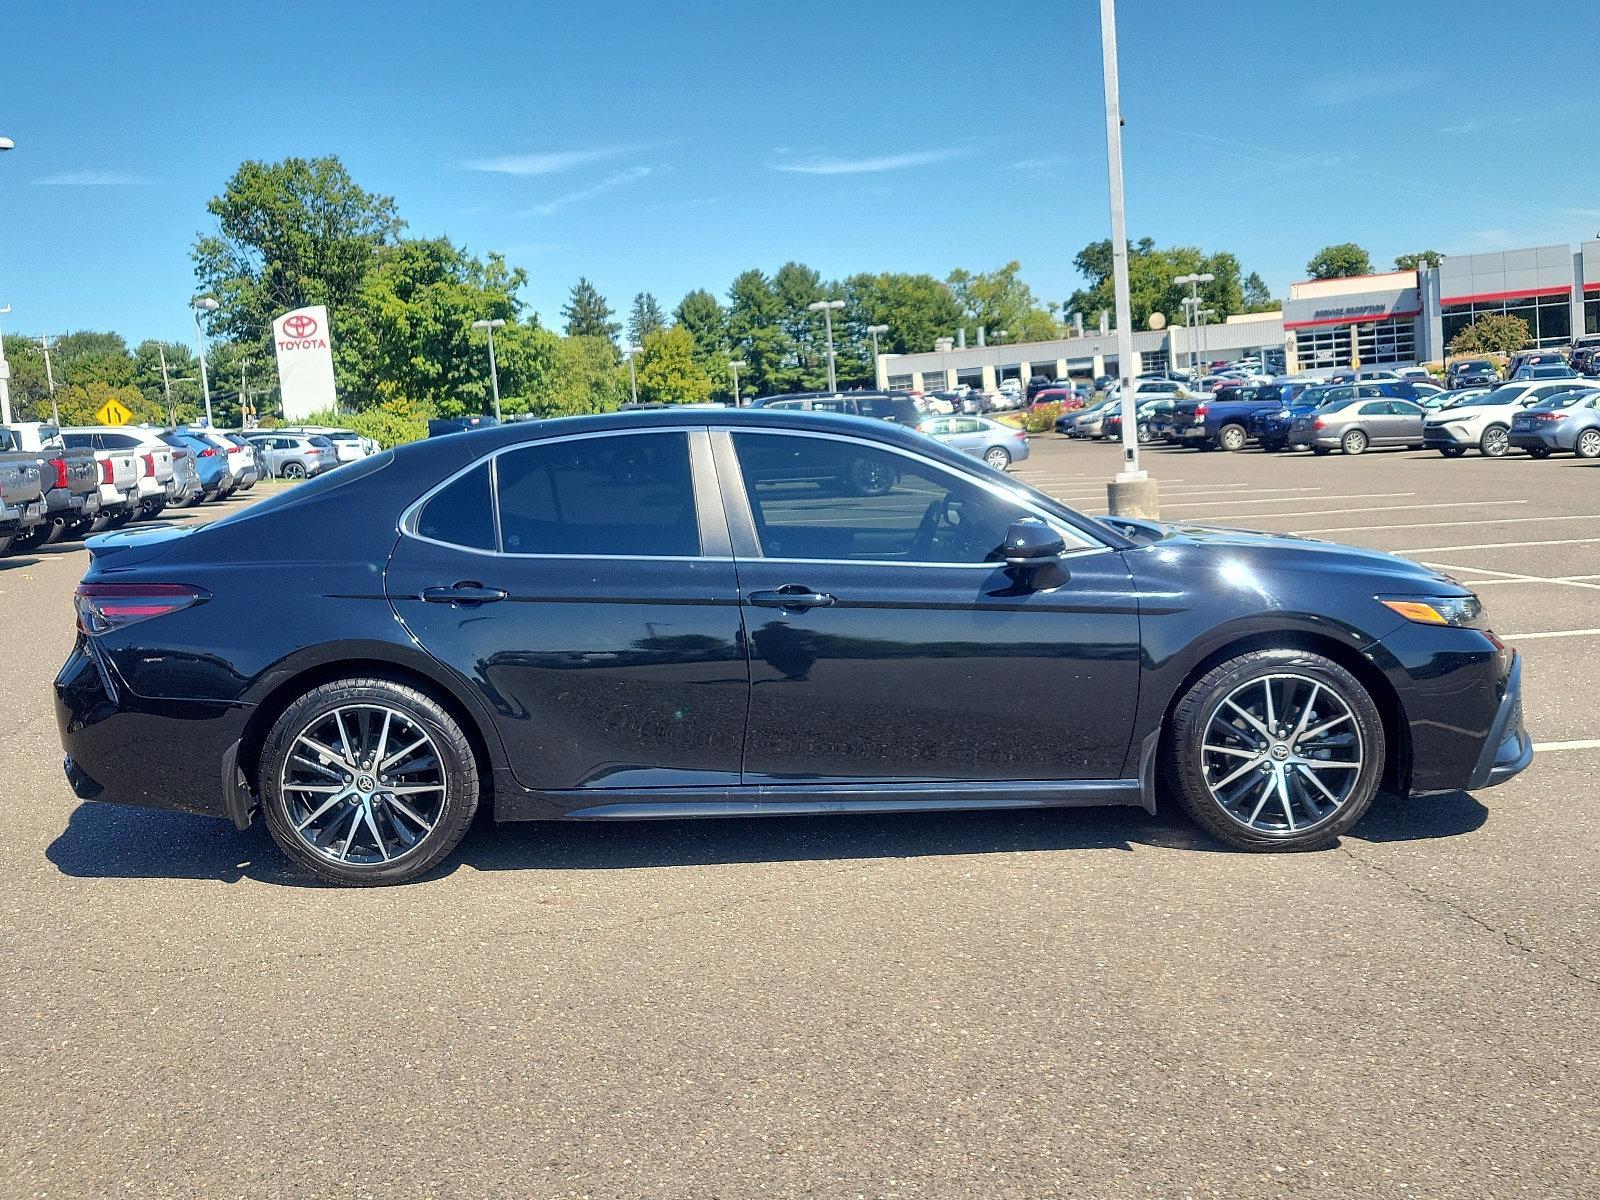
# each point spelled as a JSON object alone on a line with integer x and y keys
{"x": 702, "y": 613}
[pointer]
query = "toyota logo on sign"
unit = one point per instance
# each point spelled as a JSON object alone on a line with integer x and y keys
{"x": 300, "y": 325}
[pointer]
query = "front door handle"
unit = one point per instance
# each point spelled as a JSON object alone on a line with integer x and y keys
{"x": 463, "y": 593}
{"x": 791, "y": 595}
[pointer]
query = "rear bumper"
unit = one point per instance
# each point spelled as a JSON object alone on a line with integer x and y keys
{"x": 1536, "y": 439}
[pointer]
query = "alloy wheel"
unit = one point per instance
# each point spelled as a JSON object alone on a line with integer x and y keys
{"x": 294, "y": 471}
{"x": 997, "y": 458}
{"x": 1588, "y": 444}
{"x": 1496, "y": 441}
{"x": 363, "y": 785}
{"x": 1282, "y": 754}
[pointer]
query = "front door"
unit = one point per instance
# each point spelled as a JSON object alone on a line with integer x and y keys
{"x": 586, "y": 592}
{"x": 887, "y": 644}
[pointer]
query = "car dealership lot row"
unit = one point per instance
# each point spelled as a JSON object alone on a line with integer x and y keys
{"x": 1004, "y": 1004}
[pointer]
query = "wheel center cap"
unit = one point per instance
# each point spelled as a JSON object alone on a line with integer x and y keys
{"x": 365, "y": 784}
{"x": 1280, "y": 751}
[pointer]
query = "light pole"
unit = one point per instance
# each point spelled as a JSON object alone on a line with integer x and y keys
{"x": 50, "y": 379}
{"x": 1132, "y": 492}
{"x": 827, "y": 308}
{"x": 733, "y": 365}
{"x": 875, "y": 330}
{"x": 494, "y": 371}
{"x": 5, "y": 367}
{"x": 633, "y": 380}
{"x": 1000, "y": 336}
{"x": 203, "y": 304}
{"x": 1194, "y": 282}
{"x": 1200, "y": 315}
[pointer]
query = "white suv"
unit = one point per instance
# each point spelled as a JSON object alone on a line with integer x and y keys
{"x": 1485, "y": 421}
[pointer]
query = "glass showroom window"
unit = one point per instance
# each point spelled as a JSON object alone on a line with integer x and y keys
{"x": 1153, "y": 360}
{"x": 902, "y": 383}
{"x": 1325, "y": 346}
{"x": 1591, "y": 316}
{"x": 1549, "y": 317}
{"x": 1384, "y": 342}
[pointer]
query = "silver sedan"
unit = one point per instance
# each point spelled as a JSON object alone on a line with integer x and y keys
{"x": 1353, "y": 425}
{"x": 998, "y": 445}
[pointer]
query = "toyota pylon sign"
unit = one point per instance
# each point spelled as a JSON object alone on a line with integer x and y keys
{"x": 305, "y": 362}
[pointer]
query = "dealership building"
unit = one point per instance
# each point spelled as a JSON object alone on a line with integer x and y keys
{"x": 1395, "y": 319}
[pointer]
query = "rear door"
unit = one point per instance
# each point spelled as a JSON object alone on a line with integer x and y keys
{"x": 585, "y": 588}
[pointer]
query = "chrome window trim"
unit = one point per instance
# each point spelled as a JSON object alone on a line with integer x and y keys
{"x": 734, "y": 491}
{"x": 407, "y": 524}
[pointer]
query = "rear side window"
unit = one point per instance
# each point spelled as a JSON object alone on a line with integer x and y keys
{"x": 631, "y": 495}
{"x": 462, "y": 513}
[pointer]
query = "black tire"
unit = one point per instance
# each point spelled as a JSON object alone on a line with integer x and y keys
{"x": 294, "y": 470}
{"x": 997, "y": 457}
{"x": 869, "y": 476}
{"x": 1539, "y": 451}
{"x": 6, "y": 539}
{"x": 1353, "y": 442}
{"x": 1322, "y": 451}
{"x": 1273, "y": 446}
{"x": 456, "y": 764}
{"x": 1494, "y": 443}
{"x": 1232, "y": 437}
{"x": 1452, "y": 451}
{"x": 1184, "y": 760}
{"x": 1588, "y": 444}
{"x": 30, "y": 540}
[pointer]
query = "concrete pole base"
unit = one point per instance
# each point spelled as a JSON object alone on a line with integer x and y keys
{"x": 1133, "y": 496}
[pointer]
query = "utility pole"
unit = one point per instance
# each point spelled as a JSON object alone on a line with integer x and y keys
{"x": 733, "y": 365}
{"x": 5, "y": 368}
{"x": 166, "y": 383}
{"x": 202, "y": 304}
{"x": 1132, "y": 493}
{"x": 50, "y": 379}
{"x": 633, "y": 380}
{"x": 244, "y": 406}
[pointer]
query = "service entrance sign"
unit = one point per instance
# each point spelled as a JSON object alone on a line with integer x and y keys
{"x": 304, "y": 346}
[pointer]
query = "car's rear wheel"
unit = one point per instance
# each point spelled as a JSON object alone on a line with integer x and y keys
{"x": 1232, "y": 437}
{"x": 294, "y": 470}
{"x": 1354, "y": 442}
{"x": 367, "y": 781}
{"x": 1494, "y": 443}
{"x": 1539, "y": 451}
{"x": 997, "y": 457}
{"x": 1588, "y": 444}
{"x": 869, "y": 476}
{"x": 1276, "y": 750}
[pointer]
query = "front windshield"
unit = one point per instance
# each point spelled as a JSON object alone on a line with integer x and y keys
{"x": 1500, "y": 395}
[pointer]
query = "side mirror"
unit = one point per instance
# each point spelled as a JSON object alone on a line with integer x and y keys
{"x": 1031, "y": 543}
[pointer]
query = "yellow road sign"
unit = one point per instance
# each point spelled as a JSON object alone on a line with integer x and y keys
{"x": 114, "y": 412}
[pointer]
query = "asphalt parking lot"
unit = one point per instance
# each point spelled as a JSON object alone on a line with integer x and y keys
{"x": 1019, "y": 1004}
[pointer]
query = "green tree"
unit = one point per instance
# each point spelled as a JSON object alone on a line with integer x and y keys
{"x": 392, "y": 423}
{"x": 587, "y": 313}
{"x": 1493, "y": 333}
{"x": 668, "y": 372}
{"x": 646, "y": 318}
{"x": 1422, "y": 258}
{"x": 79, "y": 402}
{"x": 755, "y": 332}
{"x": 183, "y": 374}
{"x": 289, "y": 233}
{"x": 1000, "y": 299}
{"x": 805, "y": 363}
{"x": 1339, "y": 262}
{"x": 1256, "y": 295}
{"x": 1152, "y": 272}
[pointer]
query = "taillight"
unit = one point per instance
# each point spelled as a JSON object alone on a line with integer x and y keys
{"x": 1319, "y": 423}
{"x": 235, "y": 449}
{"x": 60, "y": 464}
{"x": 1200, "y": 410}
{"x": 103, "y": 607}
{"x": 105, "y": 471}
{"x": 1550, "y": 416}
{"x": 207, "y": 453}
{"x": 149, "y": 464}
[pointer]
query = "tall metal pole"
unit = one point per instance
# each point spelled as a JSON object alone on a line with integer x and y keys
{"x": 1132, "y": 492}
{"x": 166, "y": 383}
{"x": 827, "y": 321}
{"x": 205, "y": 382}
{"x": 494, "y": 374}
{"x": 633, "y": 380}
{"x": 5, "y": 377}
{"x": 50, "y": 379}
{"x": 733, "y": 365}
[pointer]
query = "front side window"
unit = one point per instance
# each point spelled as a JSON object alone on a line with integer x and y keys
{"x": 631, "y": 495}
{"x": 831, "y": 499}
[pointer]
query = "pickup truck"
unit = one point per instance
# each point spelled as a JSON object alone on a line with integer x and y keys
{"x": 119, "y": 488}
{"x": 21, "y": 495}
{"x": 70, "y": 478}
{"x": 152, "y": 457}
{"x": 1223, "y": 418}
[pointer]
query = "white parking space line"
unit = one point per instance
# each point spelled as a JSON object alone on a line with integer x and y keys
{"x": 1546, "y": 747}
{"x": 1319, "y": 512}
{"x": 1513, "y": 576}
{"x": 1496, "y": 545}
{"x": 1222, "y": 493}
{"x": 1551, "y": 633}
{"x": 1435, "y": 524}
{"x": 1279, "y": 500}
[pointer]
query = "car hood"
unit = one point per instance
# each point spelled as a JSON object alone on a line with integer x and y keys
{"x": 1255, "y": 551}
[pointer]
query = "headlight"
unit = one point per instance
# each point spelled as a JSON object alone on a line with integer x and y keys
{"x": 1435, "y": 610}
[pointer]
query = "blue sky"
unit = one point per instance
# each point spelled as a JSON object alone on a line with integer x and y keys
{"x": 666, "y": 146}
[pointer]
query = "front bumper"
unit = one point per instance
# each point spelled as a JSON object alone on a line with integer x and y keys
{"x": 1508, "y": 749}
{"x": 1447, "y": 436}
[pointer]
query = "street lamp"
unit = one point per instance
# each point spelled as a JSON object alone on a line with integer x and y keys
{"x": 202, "y": 304}
{"x": 5, "y": 377}
{"x": 494, "y": 371}
{"x": 875, "y": 330}
{"x": 827, "y": 308}
{"x": 1132, "y": 492}
{"x": 50, "y": 378}
{"x": 1193, "y": 302}
{"x": 633, "y": 380}
{"x": 1000, "y": 336}
{"x": 733, "y": 365}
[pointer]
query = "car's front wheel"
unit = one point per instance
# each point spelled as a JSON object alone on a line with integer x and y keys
{"x": 367, "y": 781}
{"x": 1494, "y": 443}
{"x": 1276, "y": 750}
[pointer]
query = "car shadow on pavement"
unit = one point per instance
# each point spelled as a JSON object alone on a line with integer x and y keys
{"x": 108, "y": 841}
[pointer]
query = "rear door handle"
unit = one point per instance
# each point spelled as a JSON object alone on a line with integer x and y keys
{"x": 791, "y": 595}
{"x": 463, "y": 593}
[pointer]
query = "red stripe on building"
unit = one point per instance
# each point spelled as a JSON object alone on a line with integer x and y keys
{"x": 1488, "y": 296}
{"x": 1592, "y": 287}
{"x": 1391, "y": 316}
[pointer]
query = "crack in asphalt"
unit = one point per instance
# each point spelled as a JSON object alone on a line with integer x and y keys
{"x": 1511, "y": 940}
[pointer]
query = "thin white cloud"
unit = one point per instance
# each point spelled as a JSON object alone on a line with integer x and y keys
{"x": 826, "y": 165}
{"x": 1347, "y": 89}
{"x": 553, "y": 162}
{"x": 1045, "y": 162}
{"x": 91, "y": 179}
{"x": 609, "y": 183}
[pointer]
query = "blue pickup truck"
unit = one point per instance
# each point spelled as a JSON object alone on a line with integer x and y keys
{"x": 1222, "y": 419}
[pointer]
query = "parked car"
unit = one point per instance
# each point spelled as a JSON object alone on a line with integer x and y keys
{"x": 212, "y": 465}
{"x": 942, "y": 403}
{"x": 1534, "y": 358}
{"x": 241, "y": 458}
{"x": 1090, "y": 422}
{"x": 365, "y": 716}
{"x": 1544, "y": 371}
{"x": 157, "y": 486}
{"x": 70, "y": 479}
{"x": 1485, "y": 421}
{"x": 254, "y": 451}
{"x": 998, "y": 445}
{"x": 351, "y": 446}
{"x": 1221, "y": 420}
{"x": 1148, "y": 411}
{"x": 295, "y": 455}
{"x": 187, "y": 477}
{"x": 897, "y": 407}
{"x": 1567, "y": 421}
{"x": 1062, "y": 395}
{"x": 22, "y": 504}
{"x": 1471, "y": 372}
{"x": 120, "y": 472}
{"x": 1355, "y": 424}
